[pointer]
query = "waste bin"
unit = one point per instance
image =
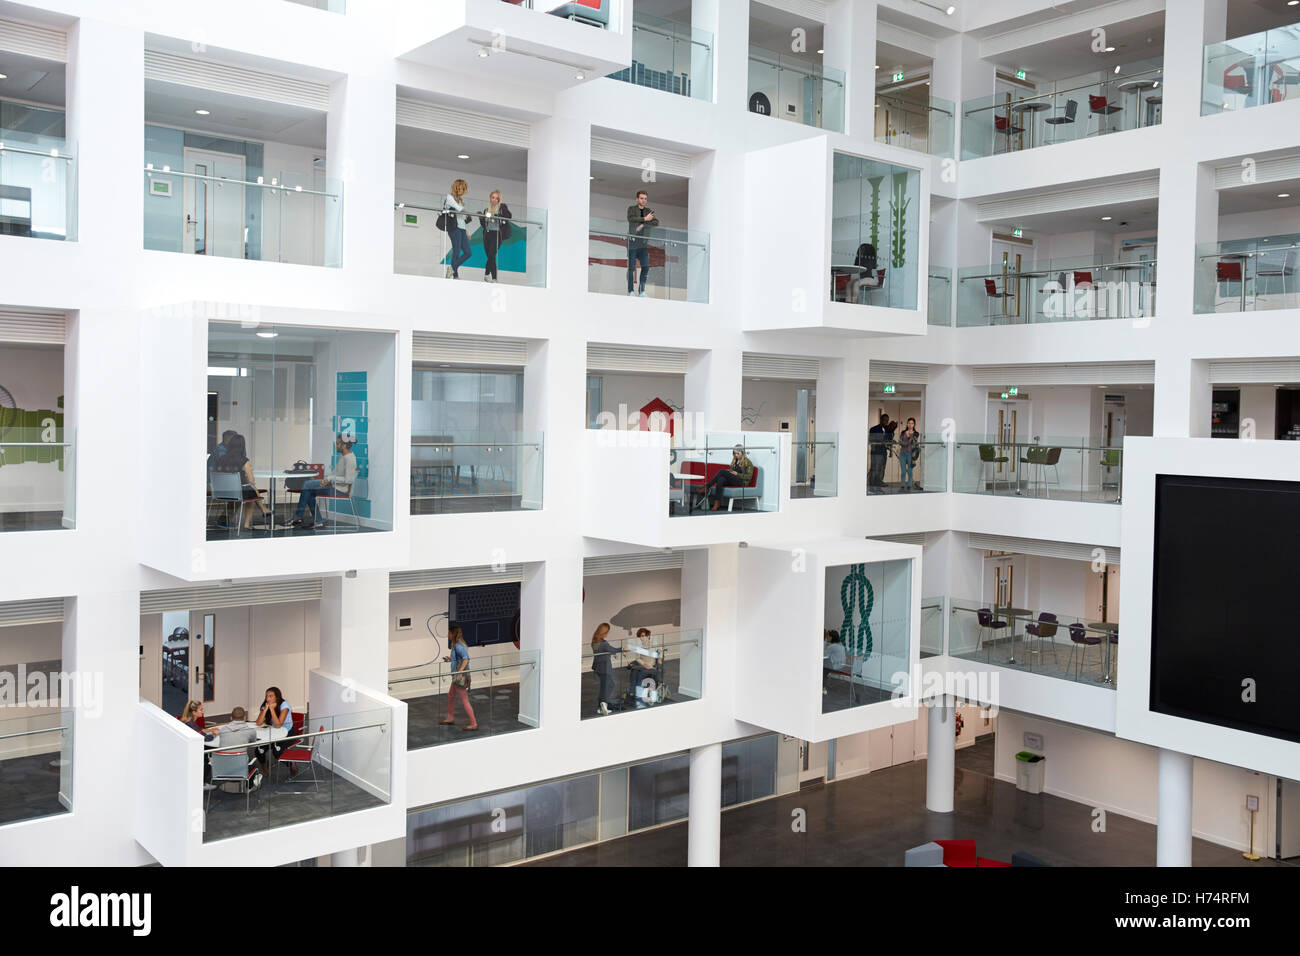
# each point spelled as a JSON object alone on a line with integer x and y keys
{"x": 1030, "y": 769}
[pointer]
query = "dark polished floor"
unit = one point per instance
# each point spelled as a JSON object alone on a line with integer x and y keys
{"x": 623, "y": 702}
{"x": 282, "y": 801}
{"x": 873, "y": 819}
{"x": 465, "y": 504}
{"x": 31, "y": 520}
{"x": 496, "y": 709}
{"x": 29, "y": 787}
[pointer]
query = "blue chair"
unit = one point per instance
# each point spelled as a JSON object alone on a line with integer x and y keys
{"x": 1044, "y": 629}
{"x": 750, "y": 492}
{"x": 1081, "y": 640}
{"x": 987, "y": 623}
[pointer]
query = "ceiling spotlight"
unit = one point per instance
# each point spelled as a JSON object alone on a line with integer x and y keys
{"x": 579, "y": 76}
{"x": 950, "y": 10}
{"x": 483, "y": 54}
{"x": 1116, "y": 67}
{"x": 821, "y": 51}
{"x": 877, "y": 66}
{"x": 462, "y": 155}
{"x": 1155, "y": 84}
{"x": 4, "y": 76}
{"x": 267, "y": 335}
{"x": 1283, "y": 195}
{"x": 1105, "y": 218}
{"x": 202, "y": 112}
{"x": 1292, "y": 3}
{"x": 1110, "y": 49}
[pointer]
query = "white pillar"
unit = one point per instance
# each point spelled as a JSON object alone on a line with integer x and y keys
{"x": 357, "y": 856}
{"x": 559, "y": 181}
{"x": 850, "y": 44}
{"x": 704, "y": 822}
{"x": 360, "y": 155}
{"x": 1174, "y": 809}
{"x": 353, "y": 634}
{"x": 940, "y": 757}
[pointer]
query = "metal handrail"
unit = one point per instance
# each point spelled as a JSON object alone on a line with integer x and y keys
{"x": 35, "y": 444}
{"x": 668, "y": 36}
{"x": 1062, "y": 621}
{"x": 216, "y": 745}
{"x": 1073, "y": 89}
{"x": 476, "y": 444}
{"x": 29, "y": 733}
{"x": 1025, "y": 269}
{"x": 522, "y": 662}
{"x": 707, "y": 448}
{"x": 809, "y": 71}
{"x": 927, "y": 106}
{"x": 643, "y": 652}
{"x": 46, "y": 153}
{"x": 1017, "y": 443}
{"x": 475, "y": 215}
{"x": 651, "y": 238}
{"x": 152, "y": 169}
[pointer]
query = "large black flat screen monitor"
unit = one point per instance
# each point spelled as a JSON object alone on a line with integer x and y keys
{"x": 1223, "y": 609}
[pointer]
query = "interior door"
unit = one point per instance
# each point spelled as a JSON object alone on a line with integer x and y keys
{"x": 1004, "y": 579}
{"x": 812, "y": 763}
{"x": 880, "y": 748}
{"x": 1009, "y": 423}
{"x": 904, "y": 743}
{"x": 214, "y": 204}
{"x": 202, "y": 671}
{"x": 1009, "y": 258}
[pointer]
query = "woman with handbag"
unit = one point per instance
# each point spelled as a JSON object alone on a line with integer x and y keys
{"x": 460, "y": 682}
{"x": 451, "y": 206}
{"x": 909, "y": 450}
{"x": 496, "y": 230}
{"x": 602, "y": 662}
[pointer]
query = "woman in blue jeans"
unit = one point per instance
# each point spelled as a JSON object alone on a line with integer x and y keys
{"x": 909, "y": 443}
{"x": 456, "y": 232}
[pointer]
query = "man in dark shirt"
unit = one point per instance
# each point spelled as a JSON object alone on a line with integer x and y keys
{"x": 640, "y": 220}
{"x": 878, "y": 445}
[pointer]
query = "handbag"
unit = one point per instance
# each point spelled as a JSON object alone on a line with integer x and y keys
{"x": 299, "y": 467}
{"x": 441, "y": 222}
{"x": 461, "y": 680}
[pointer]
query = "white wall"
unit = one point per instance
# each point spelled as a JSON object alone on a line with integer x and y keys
{"x": 1283, "y": 220}
{"x": 635, "y": 391}
{"x": 607, "y": 594}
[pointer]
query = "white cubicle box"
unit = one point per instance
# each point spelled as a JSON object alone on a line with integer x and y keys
{"x": 781, "y": 613}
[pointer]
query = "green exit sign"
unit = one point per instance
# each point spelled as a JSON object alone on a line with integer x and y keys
{"x": 1020, "y": 74}
{"x": 898, "y": 78}
{"x": 1013, "y": 390}
{"x": 889, "y": 388}
{"x": 1005, "y": 395}
{"x": 1018, "y": 233}
{"x": 412, "y": 219}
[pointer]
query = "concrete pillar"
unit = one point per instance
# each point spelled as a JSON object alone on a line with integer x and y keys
{"x": 1198, "y": 22}
{"x": 728, "y": 22}
{"x": 704, "y": 822}
{"x": 559, "y": 181}
{"x": 1174, "y": 809}
{"x": 357, "y": 856}
{"x": 842, "y": 399}
{"x": 360, "y": 150}
{"x": 1182, "y": 398}
{"x": 353, "y": 628}
{"x": 850, "y": 45}
{"x": 940, "y": 756}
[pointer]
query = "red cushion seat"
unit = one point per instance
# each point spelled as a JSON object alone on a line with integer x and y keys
{"x": 958, "y": 852}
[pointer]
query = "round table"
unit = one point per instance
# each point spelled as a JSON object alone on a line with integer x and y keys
{"x": 686, "y": 477}
{"x": 1241, "y": 257}
{"x": 1013, "y": 614}
{"x": 1109, "y": 632}
{"x": 1030, "y": 106}
{"x": 272, "y": 476}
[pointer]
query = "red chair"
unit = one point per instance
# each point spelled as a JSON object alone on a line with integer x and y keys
{"x": 958, "y": 852}
{"x": 1082, "y": 278}
{"x": 1098, "y": 105}
{"x": 300, "y": 751}
{"x": 1003, "y": 125}
{"x": 985, "y": 861}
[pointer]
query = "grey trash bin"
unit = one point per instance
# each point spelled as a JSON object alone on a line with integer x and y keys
{"x": 1030, "y": 770}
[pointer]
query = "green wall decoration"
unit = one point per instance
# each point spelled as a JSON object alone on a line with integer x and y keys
{"x": 857, "y": 641}
{"x": 875, "y": 182}
{"x": 898, "y": 221}
{"x": 25, "y": 429}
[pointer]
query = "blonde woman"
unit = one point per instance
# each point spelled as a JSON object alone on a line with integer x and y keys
{"x": 602, "y": 663}
{"x": 192, "y": 717}
{"x": 453, "y": 204}
{"x": 495, "y": 232}
{"x": 458, "y": 657}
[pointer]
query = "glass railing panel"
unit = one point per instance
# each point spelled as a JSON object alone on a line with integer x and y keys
{"x": 1067, "y": 289}
{"x": 334, "y": 765}
{"x": 710, "y": 471}
{"x": 36, "y": 760}
{"x": 673, "y": 57}
{"x": 875, "y": 632}
{"x": 874, "y": 233}
{"x": 939, "y": 301}
{"x": 504, "y": 695}
{"x": 1129, "y": 99}
{"x": 1253, "y": 70}
{"x": 1043, "y": 642}
{"x": 926, "y": 126}
{"x": 38, "y": 186}
{"x": 579, "y": 11}
{"x": 1248, "y": 275}
{"x": 815, "y": 466}
{"x": 796, "y": 89}
{"x": 514, "y": 240}
{"x": 659, "y": 262}
{"x": 38, "y": 481}
{"x": 278, "y": 217}
{"x": 932, "y": 618}
{"x": 1061, "y": 469}
{"x": 633, "y": 673}
{"x": 900, "y": 466}
{"x": 467, "y": 472}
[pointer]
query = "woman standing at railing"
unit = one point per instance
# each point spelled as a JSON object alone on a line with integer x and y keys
{"x": 909, "y": 449}
{"x": 460, "y": 682}
{"x": 495, "y": 232}
{"x": 455, "y": 232}
{"x": 602, "y": 662}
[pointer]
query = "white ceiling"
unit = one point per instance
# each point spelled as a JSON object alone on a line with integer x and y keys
{"x": 770, "y": 29}
{"x": 1134, "y": 41}
{"x": 892, "y": 59}
{"x": 238, "y": 117}
{"x": 624, "y": 181}
{"x": 32, "y": 80}
{"x": 486, "y": 159}
{"x": 1261, "y": 197}
{"x": 1255, "y": 16}
{"x": 1125, "y": 217}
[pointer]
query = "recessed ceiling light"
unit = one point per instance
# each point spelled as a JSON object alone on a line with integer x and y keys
{"x": 579, "y": 76}
{"x": 1292, "y": 3}
{"x": 483, "y": 54}
{"x": 267, "y": 335}
{"x": 950, "y": 10}
{"x": 877, "y": 66}
{"x": 821, "y": 51}
{"x": 1105, "y": 218}
{"x": 1110, "y": 49}
{"x": 462, "y": 155}
{"x": 1283, "y": 195}
{"x": 202, "y": 112}
{"x": 4, "y": 76}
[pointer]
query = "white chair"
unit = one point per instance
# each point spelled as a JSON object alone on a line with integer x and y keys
{"x": 227, "y": 486}
{"x": 326, "y": 502}
{"x": 232, "y": 766}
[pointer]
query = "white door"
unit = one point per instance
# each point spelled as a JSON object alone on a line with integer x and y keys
{"x": 1009, "y": 427}
{"x": 214, "y": 204}
{"x": 1009, "y": 258}
{"x": 880, "y": 748}
{"x": 812, "y": 762}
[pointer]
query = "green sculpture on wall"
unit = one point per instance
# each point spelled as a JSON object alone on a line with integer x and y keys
{"x": 875, "y": 182}
{"x": 898, "y": 221}
{"x": 857, "y": 598}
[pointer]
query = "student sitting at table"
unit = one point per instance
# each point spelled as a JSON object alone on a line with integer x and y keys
{"x": 275, "y": 714}
{"x": 192, "y": 717}
{"x": 236, "y": 461}
{"x": 238, "y": 734}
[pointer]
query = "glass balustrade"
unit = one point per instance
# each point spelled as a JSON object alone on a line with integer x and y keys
{"x": 708, "y": 476}
{"x": 284, "y": 217}
{"x": 888, "y": 470}
{"x": 504, "y": 693}
{"x": 514, "y": 239}
{"x": 875, "y": 633}
{"x": 932, "y": 619}
{"x": 796, "y": 89}
{"x": 1040, "y": 642}
{"x": 939, "y": 301}
{"x": 35, "y": 757}
{"x": 1065, "y": 289}
{"x": 925, "y": 124}
{"x": 674, "y": 57}
{"x": 657, "y": 262}
{"x": 1253, "y": 70}
{"x": 1248, "y": 275}
{"x": 38, "y": 481}
{"x": 1060, "y": 469}
{"x": 593, "y": 13}
{"x": 815, "y": 466}
{"x": 633, "y": 673}
{"x": 334, "y": 765}
{"x": 1008, "y": 123}
{"x": 38, "y": 186}
{"x": 467, "y": 472}
{"x": 874, "y": 233}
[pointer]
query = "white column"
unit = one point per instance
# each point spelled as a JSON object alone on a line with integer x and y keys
{"x": 704, "y": 822}
{"x": 850, "y": 45}
{"x": 1182, "y": 398}
{"x": 1174, "y": 809}
{"x": 357, "y": 856}
{"x": 728, "y": 21}
{"x": 842, "y": 400}
{"x": 559, "y": 181}
{"x": 360, "y": 154}
{"x": 353, "y": 629}
{"x": 940, "y": 757}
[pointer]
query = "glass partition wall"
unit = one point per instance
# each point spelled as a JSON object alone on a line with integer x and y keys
{"x": 725, "y": 472}
{"x": 674, "y": 57}
{"x": 1253, "y": 70}
{"x": 796, "y": 89}
{"x": 38, "y": 185}
{"x": 867, "y": 634}
{"x": 659, "y": 262}
{"x": 633, "y": 673}
{"x": 1042, "y": 642}
{"x": 469, "y": 451}
{"x": 915, "y": 120}
{"x": 37, "y": 464}
{"x": 514, "y": 239}
{"x": 1067, "y": 289}
{"x": 299, "y": 431}
{"x": 875, "y": 255}
{"x": 1064, "y": 469}
{"x": 1248, "y": 275}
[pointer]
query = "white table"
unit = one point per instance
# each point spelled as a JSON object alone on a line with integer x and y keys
{"x": 272, "y": 476}
{"x": 686, "y": 477}
{"x": 264, "y": 736}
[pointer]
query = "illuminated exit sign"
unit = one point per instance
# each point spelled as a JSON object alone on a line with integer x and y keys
{"x": 1020, "y": 74}
{"x": 1017, "y": 233}
{"x": 889, "y": 389}
{"x": 898, "y": 78}
{"x": 1013, "y": 390}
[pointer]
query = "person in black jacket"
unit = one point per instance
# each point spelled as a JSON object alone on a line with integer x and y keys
{"x": 496, "y": 230}
{"x": 640, "y": 220}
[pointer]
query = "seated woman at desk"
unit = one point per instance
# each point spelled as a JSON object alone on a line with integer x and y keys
{"x": 275, "y": 714}
{"x": 235, "y": 461}
{"x": 339, "y": 484}
{"x": 192, "y": 717}
{"x": 865, "y": 259}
